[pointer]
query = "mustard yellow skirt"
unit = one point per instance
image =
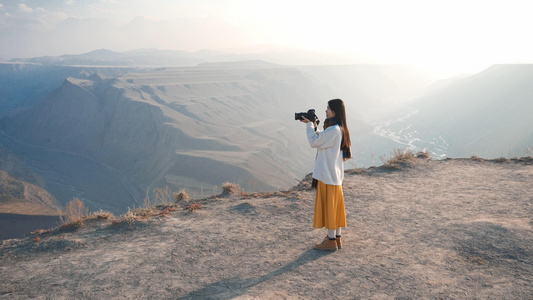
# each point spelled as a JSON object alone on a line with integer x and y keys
{"x": 329, "y": 207}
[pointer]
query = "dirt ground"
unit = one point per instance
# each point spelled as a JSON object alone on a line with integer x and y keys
{"x": 451, "y": 229}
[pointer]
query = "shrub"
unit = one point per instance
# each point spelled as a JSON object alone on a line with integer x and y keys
{"x": 423, "y": 154}
{"x": 399, "y": 158}
{"x": 129, "y": 217}
{"x": 476, "y": 158}
{"x": 74, "y": 214}
{"x": 182, "y": 195}
{"x": 230, "y": 188}
{"x": 142, "y": 212}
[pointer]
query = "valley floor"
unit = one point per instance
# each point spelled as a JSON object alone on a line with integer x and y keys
{"x": 18, "y": 225}
{"x": 459, "y": 229}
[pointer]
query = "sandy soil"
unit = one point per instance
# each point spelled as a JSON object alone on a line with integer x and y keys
{"x": 453, "y": 229}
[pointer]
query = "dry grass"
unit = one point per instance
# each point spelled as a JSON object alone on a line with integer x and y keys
{"x": 165, "y": 210}
{"x": 476, "y": 158}
{"x": 74, "y": 213}
{"x": 40, "y": 231}
{"x": 161, "y": 196}
{"x": 129, "y": 217}
{"x": 356, "y": 171}
{"x": 142, "y": 212}
{"x": 193, "y": 206}
{"x": 528, "y": 160}
{"x": 102, "y": 215}
{"x": 500, "y": 159}
{"x": 230, "y": 188}
{"x": 398, "y": 159}
{"x": 284, "y": 194}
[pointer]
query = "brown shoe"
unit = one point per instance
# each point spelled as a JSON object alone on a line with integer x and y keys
{"x": 339, "y": 242}
{"x": 327, "y": 245}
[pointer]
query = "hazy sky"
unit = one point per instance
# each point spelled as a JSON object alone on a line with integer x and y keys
{"x": 469, "y": 34}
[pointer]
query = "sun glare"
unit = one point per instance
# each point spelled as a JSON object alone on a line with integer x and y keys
{"x": 470, "y": 34}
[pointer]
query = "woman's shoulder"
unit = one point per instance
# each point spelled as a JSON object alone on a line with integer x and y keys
{"x": 335, "y": 127}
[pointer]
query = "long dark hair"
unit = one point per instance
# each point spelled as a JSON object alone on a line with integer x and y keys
{"x": 337, "y": 106}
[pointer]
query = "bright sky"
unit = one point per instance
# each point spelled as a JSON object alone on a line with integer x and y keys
{"x": 464, "y": 34}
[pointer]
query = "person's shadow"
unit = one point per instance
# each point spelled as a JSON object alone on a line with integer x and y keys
{"x": 237, "y": 286}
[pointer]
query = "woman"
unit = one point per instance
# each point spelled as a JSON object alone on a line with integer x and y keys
{"x": 333, "y": 145}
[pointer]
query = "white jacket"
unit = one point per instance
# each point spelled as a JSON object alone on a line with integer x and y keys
{"x": 329, "y": 164}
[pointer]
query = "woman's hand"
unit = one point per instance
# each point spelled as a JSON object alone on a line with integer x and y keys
{"x": 305, "y": 120}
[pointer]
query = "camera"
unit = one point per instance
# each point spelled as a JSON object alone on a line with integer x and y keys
{"x": 310, "y": 115}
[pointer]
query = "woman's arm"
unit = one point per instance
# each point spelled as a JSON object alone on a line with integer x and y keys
{"x": 322, "y": 139}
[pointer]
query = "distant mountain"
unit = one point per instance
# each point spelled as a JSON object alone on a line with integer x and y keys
{"x": 109, "y": 140}
{"x": 168, "y": 58}
{"x": 109, "y": 134}
{"x": 23, "y": 84}
{"x": 19, "y": 197}
{"x": 487, "y": 114}
{"x": 179, "y": 58}
{"x": 17, "y": 168}
{"x": 104, "y": 57}
{"x": 373, "y": 90}
{"x": 377, "y": 89}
